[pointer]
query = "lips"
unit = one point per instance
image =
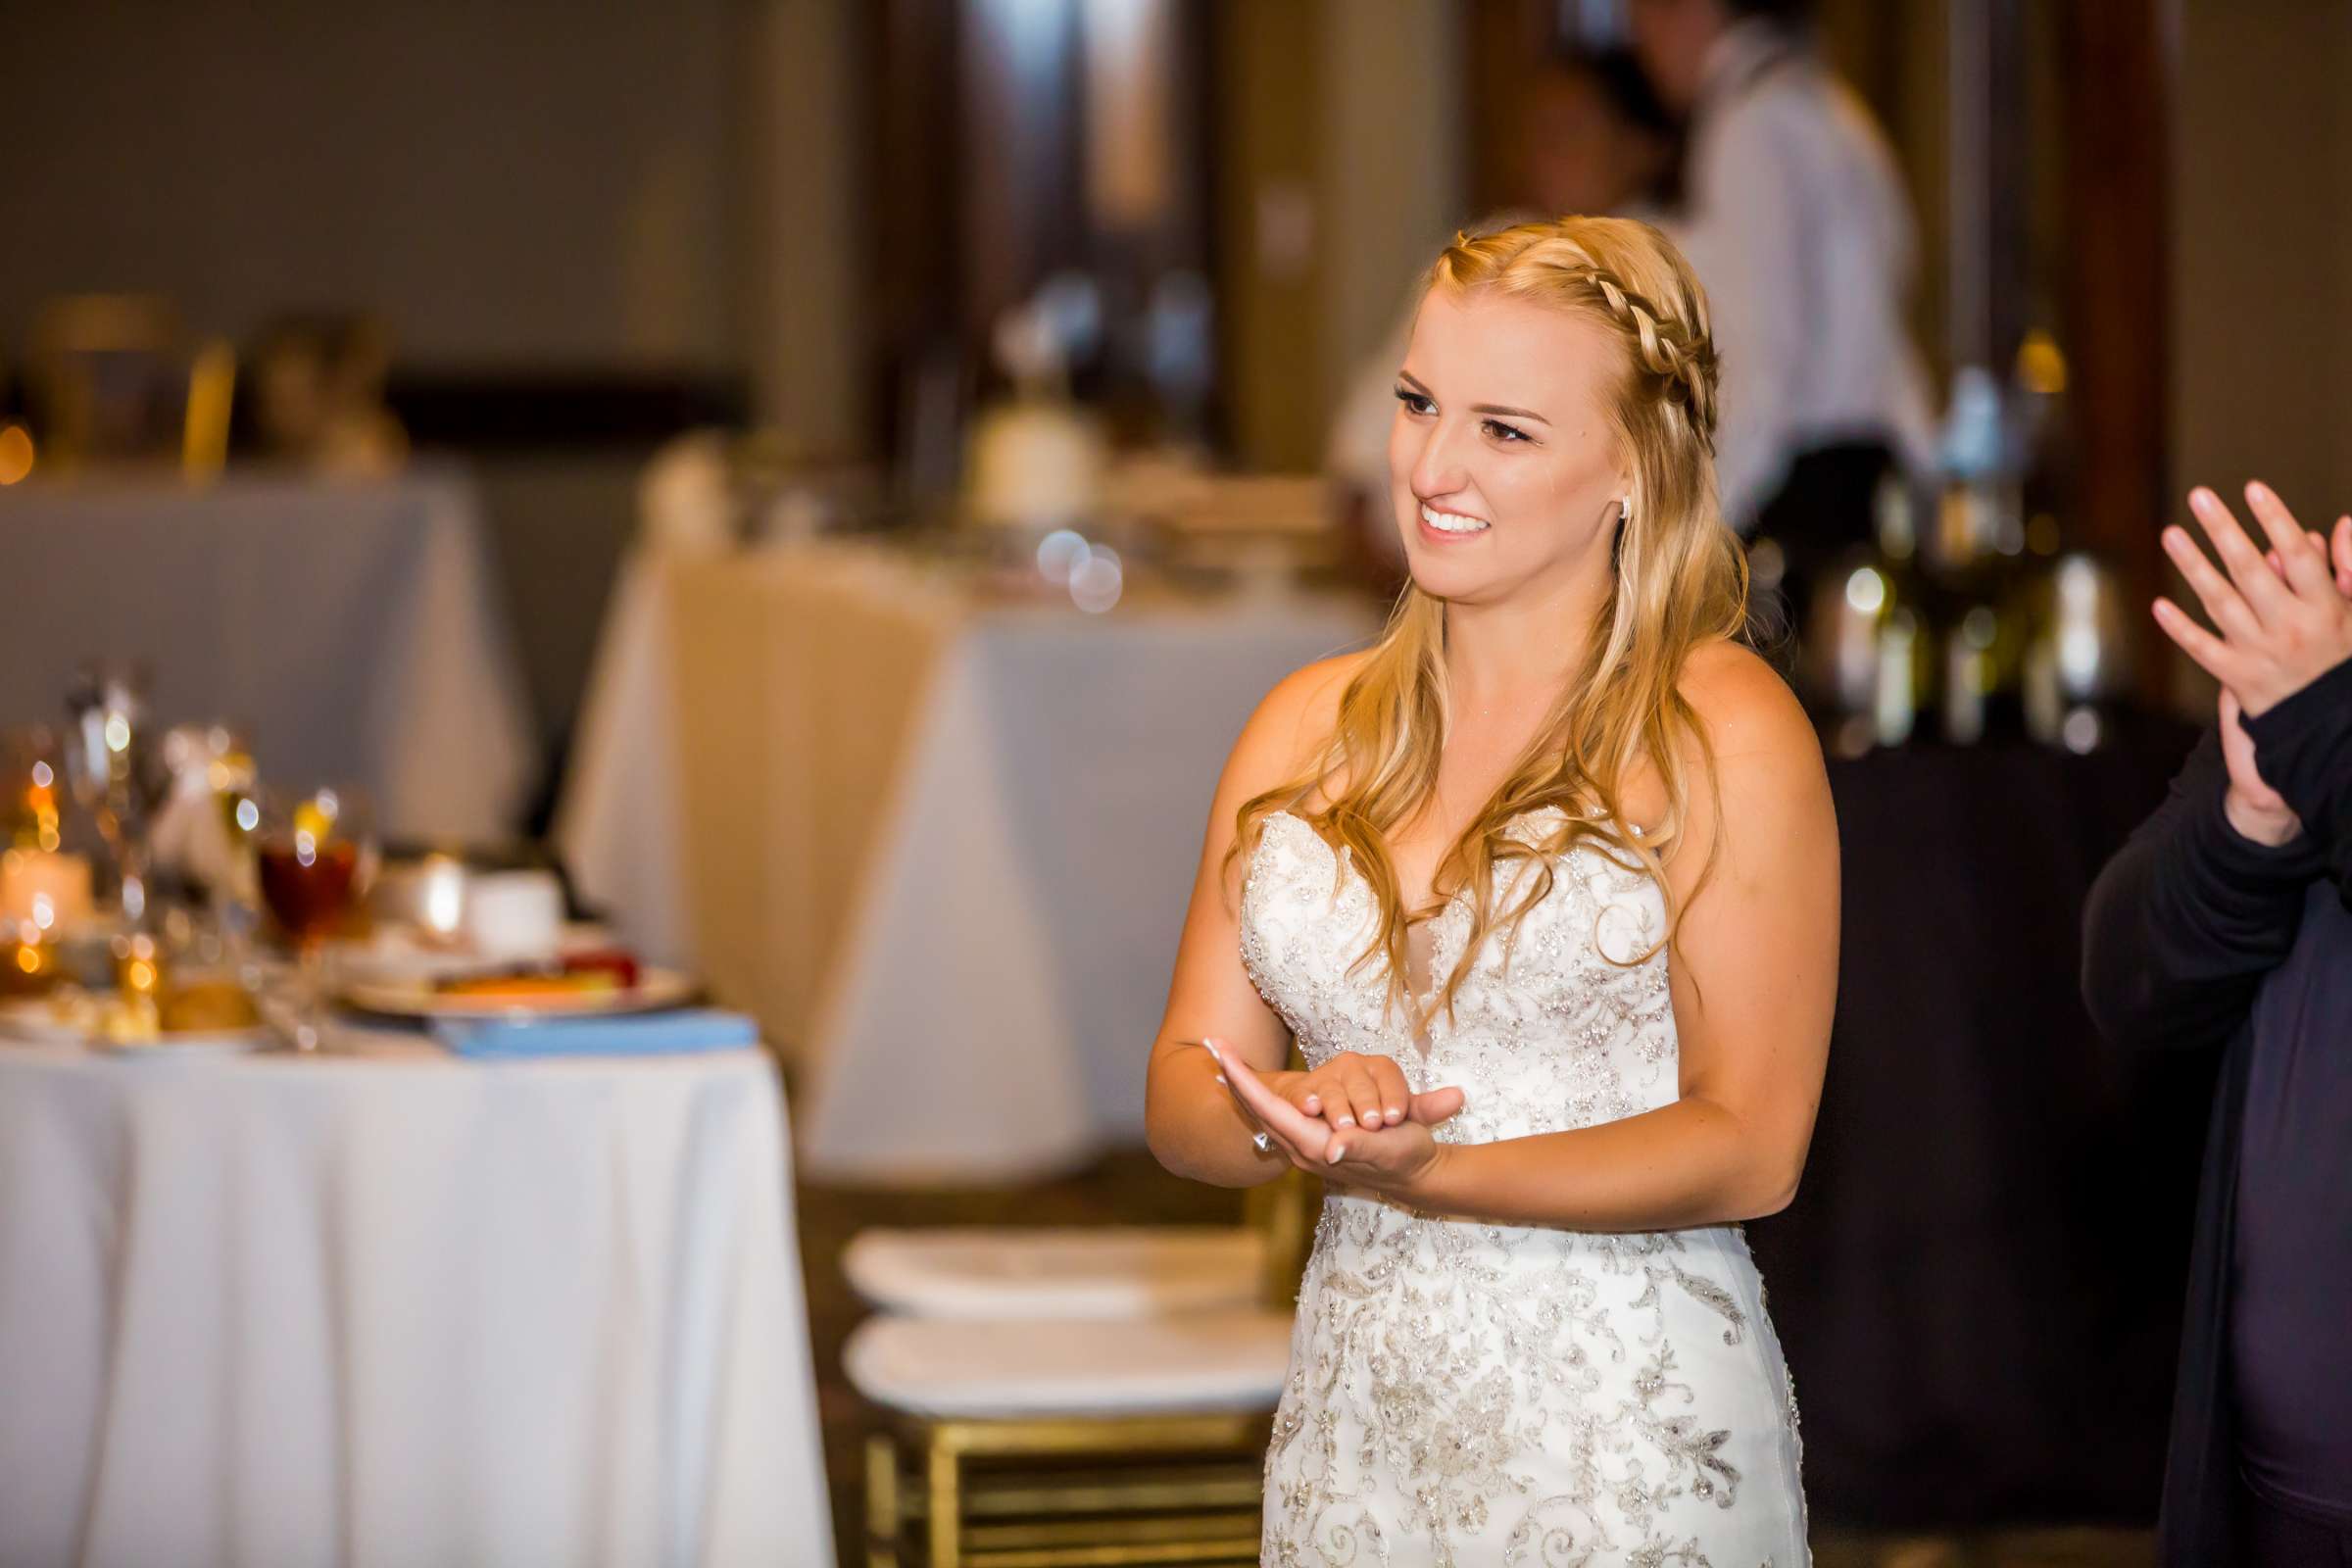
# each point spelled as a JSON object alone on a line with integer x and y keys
{"x": 1450, "y": 525}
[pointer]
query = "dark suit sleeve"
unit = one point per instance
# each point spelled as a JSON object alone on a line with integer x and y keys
{"x": 2189, "y": 918}
{"x": 2304, "y": 749}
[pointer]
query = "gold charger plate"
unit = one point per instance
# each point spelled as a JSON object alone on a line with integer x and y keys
{"x": 655, "y": 990}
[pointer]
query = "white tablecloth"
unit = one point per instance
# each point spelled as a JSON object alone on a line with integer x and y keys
{"x": 942, "y": 849}
{"x": 400, "y": 1312}
{"x": 352, "y": 626}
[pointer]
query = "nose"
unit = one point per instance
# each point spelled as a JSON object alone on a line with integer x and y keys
{"x": 1437, "y": 468}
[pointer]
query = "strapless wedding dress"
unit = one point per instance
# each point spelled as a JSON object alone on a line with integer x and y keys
{"x": 1471, "y": 1395}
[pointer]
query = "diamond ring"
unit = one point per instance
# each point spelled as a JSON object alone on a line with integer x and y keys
{"x": 1261, "y": 1143}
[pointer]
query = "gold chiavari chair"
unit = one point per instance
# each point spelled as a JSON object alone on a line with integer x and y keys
{"x": 113, "y": 379}
{"x": 1020, "y": 1272}
{"x": 1060, "y": 1443}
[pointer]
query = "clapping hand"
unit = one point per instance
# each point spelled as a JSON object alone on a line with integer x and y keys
{"x": 1389, "y": 1153}
{"x": 2282, "y": 620}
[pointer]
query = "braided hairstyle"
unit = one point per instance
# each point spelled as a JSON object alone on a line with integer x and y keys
{"x": 1627, "y": 273}
{"x": 1678, "y": 579}
{"x": 1681, "y": 363}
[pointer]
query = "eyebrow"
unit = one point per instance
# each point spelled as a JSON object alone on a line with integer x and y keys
{"x": 1410, "y": 381}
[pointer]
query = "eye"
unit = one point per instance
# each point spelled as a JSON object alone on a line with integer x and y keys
{"x": 1414, "y": 402}
{"x": 1502, "y": 432}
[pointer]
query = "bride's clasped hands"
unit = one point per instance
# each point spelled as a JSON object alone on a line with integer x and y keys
{"x": 1354, "y": 1112}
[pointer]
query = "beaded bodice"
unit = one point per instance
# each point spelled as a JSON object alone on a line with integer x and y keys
{"x": 1567, "y": 1025}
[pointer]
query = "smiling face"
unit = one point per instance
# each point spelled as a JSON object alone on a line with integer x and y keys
{"x": 1504, "y": 464}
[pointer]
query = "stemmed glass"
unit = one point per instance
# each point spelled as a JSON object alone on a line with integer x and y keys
{"x": 106, "y": 767}
{"x": 316, "y": 854}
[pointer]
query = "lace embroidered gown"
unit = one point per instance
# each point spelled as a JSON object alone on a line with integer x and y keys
{"x": 1466, "y": 1394}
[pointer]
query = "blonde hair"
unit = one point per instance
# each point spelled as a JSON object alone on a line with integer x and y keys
{"x": 1679, "y": 579}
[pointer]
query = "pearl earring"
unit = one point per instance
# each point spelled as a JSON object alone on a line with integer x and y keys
{"x": 1624, "y": 509}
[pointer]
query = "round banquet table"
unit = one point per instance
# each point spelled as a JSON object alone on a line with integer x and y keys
{"x": 396, "y": 1309}
{"x": 353, "y": 627}
{"x": 925, "y": 837}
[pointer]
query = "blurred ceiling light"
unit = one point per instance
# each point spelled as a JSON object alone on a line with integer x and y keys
{"x": 15, "y": 452}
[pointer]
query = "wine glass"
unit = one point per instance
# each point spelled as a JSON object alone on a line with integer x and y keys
{"x": 108, "y": 766}
{"x": 316, "y": 854}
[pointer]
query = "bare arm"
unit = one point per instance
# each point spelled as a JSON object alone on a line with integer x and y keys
{"x": 1195, "y": 1128}
{"x": 1755, "y": 984}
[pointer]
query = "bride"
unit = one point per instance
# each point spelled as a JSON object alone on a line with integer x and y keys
{"x": 1545, "y": 886}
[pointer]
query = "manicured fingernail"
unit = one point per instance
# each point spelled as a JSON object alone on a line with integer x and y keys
{"x": 1333, "y": 1159}
{"x": 1210, "y": 1046}
{"x": 1345, "y": 1121}
{"x": 1221, "y": 1079}
{"x": 1314, "y": 1102}
{"x": 1394, "y": 1114}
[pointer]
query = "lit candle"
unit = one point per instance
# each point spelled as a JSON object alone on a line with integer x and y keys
{"x": 443, "y": 895}
{"x": 28, "y": 964}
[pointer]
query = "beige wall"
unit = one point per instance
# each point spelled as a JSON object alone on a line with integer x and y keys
{"x": 526, "y": 182}
{"x": 1269, "y": 229}
{"x": 2261, "y": 281}
{"x": 577, "y": 183}
{"x": 2262, "y": 251}
{"x": 1393, "y": 167}
{"x": 1342, "y": 127}
{"x": 800, "y": 266}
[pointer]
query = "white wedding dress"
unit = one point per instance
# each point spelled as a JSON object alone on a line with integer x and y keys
{"x": 1473, "y": 1395}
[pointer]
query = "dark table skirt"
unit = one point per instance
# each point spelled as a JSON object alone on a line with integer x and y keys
{"x": 1979, "y": 1286}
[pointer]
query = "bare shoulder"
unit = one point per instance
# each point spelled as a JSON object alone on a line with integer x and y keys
{"x": 1292, "y": 722}
{"x": 1765, "y": 806}
{"x": 1746, "y": 711}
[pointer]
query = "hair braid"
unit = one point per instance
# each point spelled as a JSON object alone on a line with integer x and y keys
{"x": 1667, "y": 349}
{"x": 1673, "y": 348}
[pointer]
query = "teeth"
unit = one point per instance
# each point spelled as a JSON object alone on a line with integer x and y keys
{"x": 1452, "y": 521}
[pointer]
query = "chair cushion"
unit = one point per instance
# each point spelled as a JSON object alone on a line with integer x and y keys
{"x": 946, "y": 1367}
{"x": 1072, "y": 1272}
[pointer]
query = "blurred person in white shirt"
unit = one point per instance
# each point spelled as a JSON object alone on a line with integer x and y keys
{"x": 1795, "y": 219}
{"x": 1594, "y": 137}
